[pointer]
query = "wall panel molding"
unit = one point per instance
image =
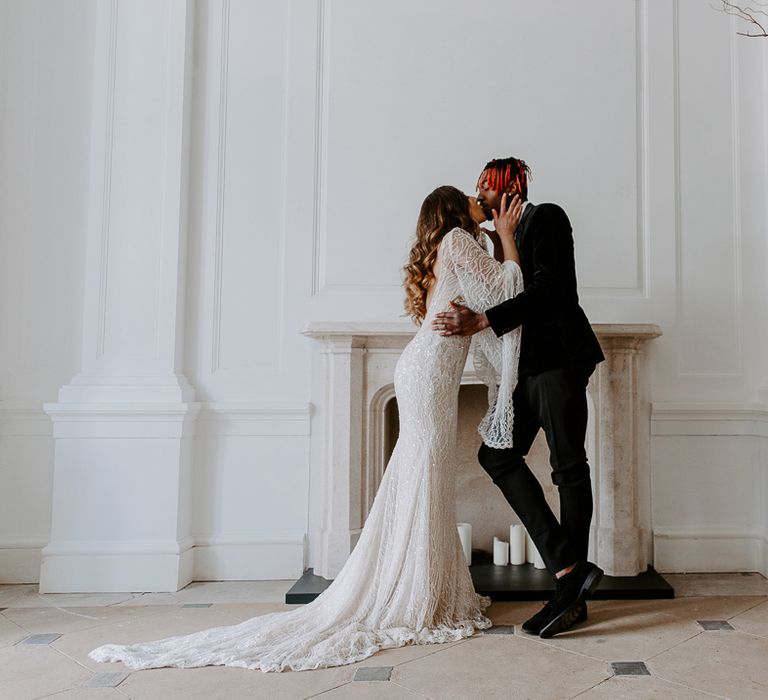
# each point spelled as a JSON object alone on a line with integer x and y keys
{"x": 245, "y": 135}
{"x": 637, "y": 288}
{"x": 642, "y": 235}
{"x": 705, "y": 419}
{"x": 686, "y": 352}
{"x": 321, "y": 115}
{"x": 24, "y": 419}
{"x": 254, "y": 418}
{"x": 218, "y": 251}
{"x": 737, "y": 199}
{"x": 106, "y": 185}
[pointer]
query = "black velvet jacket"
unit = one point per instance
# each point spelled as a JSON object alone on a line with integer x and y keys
{"x": 556, "y": 332}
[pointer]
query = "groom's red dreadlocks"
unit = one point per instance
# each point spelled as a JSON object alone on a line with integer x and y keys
{"x": 500, "y": 173}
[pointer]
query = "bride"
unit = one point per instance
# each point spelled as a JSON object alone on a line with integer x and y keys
{"x": 406, "y": 581}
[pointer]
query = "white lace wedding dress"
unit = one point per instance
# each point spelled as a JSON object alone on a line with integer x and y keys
{"x": 406, "y": 581}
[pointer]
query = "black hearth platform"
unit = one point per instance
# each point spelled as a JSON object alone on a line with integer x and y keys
{"x": 522, "y": 582}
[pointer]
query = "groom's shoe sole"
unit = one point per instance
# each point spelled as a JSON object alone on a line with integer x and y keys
{"x": 534, "y": 626}
{"x": 569, "y": 617}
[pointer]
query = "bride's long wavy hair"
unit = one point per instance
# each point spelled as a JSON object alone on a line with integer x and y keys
{"x": 443, "y": 210}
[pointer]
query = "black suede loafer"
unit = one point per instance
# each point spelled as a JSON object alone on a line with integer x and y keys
{"x": 575, "y": 587}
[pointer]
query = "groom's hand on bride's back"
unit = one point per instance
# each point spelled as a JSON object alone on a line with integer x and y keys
{"x": 460, "y": 320}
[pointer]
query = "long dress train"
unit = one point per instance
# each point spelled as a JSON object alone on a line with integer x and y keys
{"x": 406, "y": 581}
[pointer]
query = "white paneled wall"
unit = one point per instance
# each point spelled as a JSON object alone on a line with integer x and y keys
{"x": 45, "y": 96}
{"x": 313, "y": 130}
{"x": 710, "y": 416}
{"x": 246, "y": 358}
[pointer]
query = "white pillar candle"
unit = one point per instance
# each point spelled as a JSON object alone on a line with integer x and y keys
{"x": 500, "y": 552}
{"x": 465, "y": 535}
{"x": 516, "y": 544}
{"x": 530, "y": 548}
{"x": 532, "y": 555}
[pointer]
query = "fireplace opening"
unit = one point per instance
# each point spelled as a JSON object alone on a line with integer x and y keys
{"x": 478, "y": 499}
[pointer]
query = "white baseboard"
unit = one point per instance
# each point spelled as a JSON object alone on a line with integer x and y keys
{"x": 218, "y": 559}
{"x": 763, "y": 556}
{"x": 20, "y": 560}
{"x": 705, "y": 551}
{"x": 675, "y": 551}
{"x": 108, "y": 567}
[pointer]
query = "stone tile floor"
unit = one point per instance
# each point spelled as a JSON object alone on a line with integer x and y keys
{"x": 710, "y": 642}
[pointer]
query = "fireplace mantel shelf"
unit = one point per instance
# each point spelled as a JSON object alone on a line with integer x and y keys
{"x": 347, "y": 329}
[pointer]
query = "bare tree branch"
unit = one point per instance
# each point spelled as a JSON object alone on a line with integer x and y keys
{"x": 748, "y": 14}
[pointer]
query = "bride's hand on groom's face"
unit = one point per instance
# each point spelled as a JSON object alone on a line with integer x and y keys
{"x": 507, "y": 218}
{"x": 460, "y": 320}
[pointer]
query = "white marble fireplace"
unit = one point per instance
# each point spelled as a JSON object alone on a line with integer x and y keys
{"x": 357, "y": 379}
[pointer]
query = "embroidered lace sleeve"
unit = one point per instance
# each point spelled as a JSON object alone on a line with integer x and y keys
{"x": 484, "y": 283}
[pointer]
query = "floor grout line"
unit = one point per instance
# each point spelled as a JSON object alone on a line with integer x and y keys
{"x": 411, "y": 690}
{"x": 688, "y": 687}
{"x": 52, "y": 695}
{"x": 119, "y": 602}
{"x": 674, "y": 646}
{"x": 67, "y": 656}
{"x": 743, "y": 612}
{"x": 605, "y": 680}
{"x": 431, "y": 653}
{"x": 65, "y": 690}
{"x": 537, "y": 640}
{"x": 122, "y": 692}
{"x": 327, "y": 690}
{"x": 21, "y": 627}
{"x": 749, "y": 634}
{"x": 106, "y": 621}
{"x": 72, "y": 612}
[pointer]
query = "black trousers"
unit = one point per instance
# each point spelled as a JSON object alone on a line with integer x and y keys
{"x": 555, "y": 400}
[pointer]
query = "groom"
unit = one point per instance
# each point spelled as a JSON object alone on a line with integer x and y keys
{"x": 558, "y": 353}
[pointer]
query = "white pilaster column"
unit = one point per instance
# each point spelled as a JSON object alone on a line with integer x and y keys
{"x": 343, "y": 452}
{"x": 622, "y": 483}
{"x": 123, "y": 425}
